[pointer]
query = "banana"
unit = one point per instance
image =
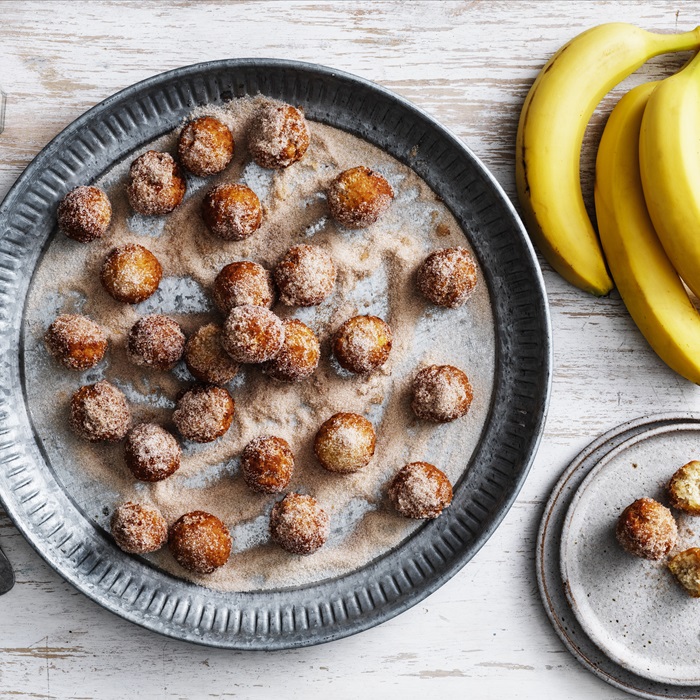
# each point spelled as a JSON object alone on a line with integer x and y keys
{"x": 550, "y": 133}
{"x": 669, "y": 153}
{"x": 647, "y": 281}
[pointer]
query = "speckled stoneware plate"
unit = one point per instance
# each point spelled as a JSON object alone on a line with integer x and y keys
{"x": 272, "y": 619}
{"x": 634, "y": 606}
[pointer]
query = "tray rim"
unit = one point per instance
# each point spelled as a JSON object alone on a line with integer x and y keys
{"x": 417, "y": 594}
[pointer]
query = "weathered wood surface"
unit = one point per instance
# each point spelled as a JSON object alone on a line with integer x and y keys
{"x": 470, "y": 64}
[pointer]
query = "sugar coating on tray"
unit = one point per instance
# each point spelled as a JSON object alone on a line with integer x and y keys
{"x": 299, "y": 524}
{"x": 345, "y": 443}
{"x": 420, "y": 490}
{"x": 204, "y": 413}
{"x": 84, "y": 214}
{"x": 362, "y": 344}
{"x": 298, "y": 356}
{"x": 252, "y": 334}
{"x": 232, "y": 212}
{"x": 305, "y": 276}
{"x": 243, "y": 283}
{"x": 647, "y": 529}
{"x": 99, "y": 412}
{"x": 155, "y": 341}
{"x": 205, "y": 146}
{"x": 684, "y": 488}
{"x": 76, "y": 341}
{"x": 447, "y": 277}
{"x": 267, "y": 464}
{"x": 151, "y": 453}
{"x": 131, "y": 273}
{"x": 278, "y": 136}
{"x": 156, "y": 185}
{"x": 206, "y": 358}
{"x": 441, "y": 393}
{"x": 139, "y": 528}
{"x": 358, "y": 197}
{"x": 200, "y": 542}
{"x": 685, "y": 566}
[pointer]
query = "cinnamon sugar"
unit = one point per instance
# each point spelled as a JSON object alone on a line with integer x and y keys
{"x": 376, "y": 275}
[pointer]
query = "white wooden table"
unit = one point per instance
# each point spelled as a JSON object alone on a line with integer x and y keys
{"x": 470, "y": 64}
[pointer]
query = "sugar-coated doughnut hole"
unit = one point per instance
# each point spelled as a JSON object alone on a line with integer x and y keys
{"x": 267, "y": 464}
{"x": 200, "y": 542}
{"x": 441, "y": 393}
{"x": 298, "y": 524}
{"x": 76, "y": 341}
{"x": 232, "y": 212}
{"x": 252, "y": 334}
{"x": 345, "y": 443}
{"x": 420, "y": 490}
{"x": 305, "y": 276}
{"x": 131, "y": 273}
{"x": 206, "y": 358}
{"x": 155, "y": 341}
{"x": 362, "y": 344}
{"x": 279, "y": 135}
{"x": 151, "y": 453}
{"x": 204, "y": 413}
{"x": 84, "y": 214}
{"x": 99, "y": 412}
{"x": 358, "y": 197}
{"x": 447, "y": 277}
{"x": 138, "y": 528}
{"x": 299, "y": 355}
{"x": 205, "y": 146}
{"x": 156, "y": 185}
{"x": 243, "y": 283}
{"x": 647, "y": 529}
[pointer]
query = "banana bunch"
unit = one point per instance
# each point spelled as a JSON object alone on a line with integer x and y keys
{"x": 550, "y": 134}
{"x": 647, "y": 186}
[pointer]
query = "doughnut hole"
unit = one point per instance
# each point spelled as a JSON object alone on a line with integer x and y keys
{"x": 138, "y": 528}
{"x": 200, "y": 542}
{"x": 447, "y": 277}
{"x": 84, "y": 214}
{"x": 362, "y": 344}
{"x": 155, "y": 341}
{"x": 299, "y": 355}
{"x": 358, "y": 197}
{"x": 684, "y": 488}
{"x": 305, "y": 276}
{"x": 232, "y": 212}
{"x": 685, "y": 566}
{"x": 345, "y": 443}
{"x": 156, "y": 185}
{"x": 151, "y": 453}
{"x": 131, "y": 273}
{"x": 420, "y": 490}
{"x": 206, "y": 358}
{"x": 441, "y": 393}
{"x": 99, "y": 412}
{"x": 647, "y": 529}
{"x": 252, "y": 334}
{"x": 77, "y": 342}
{"x": 205, "y": 146}
{"x": 243, "y": 283}
{"x": 298, "y": 524}
{"x": 267, "y": 464}
{"x": 279, "y": 136}
{"x": 204, "y": 413}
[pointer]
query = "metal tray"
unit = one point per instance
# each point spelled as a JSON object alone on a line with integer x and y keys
{"x": 334, "y": 608}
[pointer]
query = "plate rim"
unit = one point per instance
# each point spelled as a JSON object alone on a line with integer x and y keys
{"x": 359, "y": 623}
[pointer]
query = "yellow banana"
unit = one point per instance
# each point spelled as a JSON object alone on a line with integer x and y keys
{"x": 646, "y": 279}
{"x": 550, "y": 133}
{"x": 669, "y": 154}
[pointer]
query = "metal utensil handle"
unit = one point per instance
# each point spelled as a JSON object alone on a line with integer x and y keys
{"x": 7, "y": 575}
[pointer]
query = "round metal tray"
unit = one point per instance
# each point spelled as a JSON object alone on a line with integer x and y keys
{"x": 402, "y": 577}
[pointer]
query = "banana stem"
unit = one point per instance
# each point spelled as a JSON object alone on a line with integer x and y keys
{"x": 667, "y": 43}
